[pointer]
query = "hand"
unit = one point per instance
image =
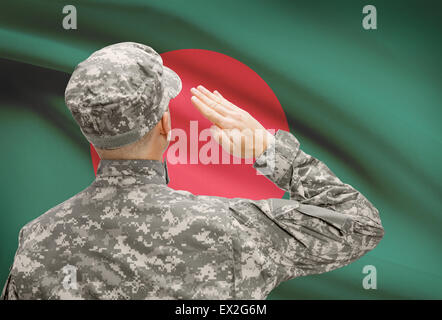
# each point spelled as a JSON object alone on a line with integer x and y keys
{"x": 234, "y": 128}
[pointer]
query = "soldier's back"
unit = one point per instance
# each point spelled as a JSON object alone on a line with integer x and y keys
{"x": 128, "y": 236}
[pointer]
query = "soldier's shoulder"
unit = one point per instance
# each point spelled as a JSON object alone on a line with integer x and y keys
{"x": 55, "y": 213}
{"x": 183, "y": 195}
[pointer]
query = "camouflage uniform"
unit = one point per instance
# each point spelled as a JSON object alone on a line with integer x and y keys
{"x": 129, "y": 236}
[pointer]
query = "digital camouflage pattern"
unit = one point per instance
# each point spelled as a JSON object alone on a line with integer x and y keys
{"x": 130, "y": 236}
{"x": 120, "y": 93}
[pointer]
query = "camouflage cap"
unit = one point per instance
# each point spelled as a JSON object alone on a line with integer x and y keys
{"x": 120, "y": 93}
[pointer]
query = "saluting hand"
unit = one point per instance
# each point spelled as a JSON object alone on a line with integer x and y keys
{"x": 234, "y": 128}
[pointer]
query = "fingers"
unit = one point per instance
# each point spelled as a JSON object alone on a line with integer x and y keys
{"x": 226, "y": 102}
{"x": 209, "y": 94}
{"x": 208, "y": 112}
{"x": 217, "y": 97}
{"x": 214, "y": 104}
{"x": 217, "y": 109}
{"x": 218, "y": 94}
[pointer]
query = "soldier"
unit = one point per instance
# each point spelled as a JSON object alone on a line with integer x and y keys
{"x": 129, "y": 236}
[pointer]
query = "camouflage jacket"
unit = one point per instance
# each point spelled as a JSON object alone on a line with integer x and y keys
{"x": 129, "y": 236}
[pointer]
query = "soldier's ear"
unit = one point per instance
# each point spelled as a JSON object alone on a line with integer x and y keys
{"x": 165, "y": 123}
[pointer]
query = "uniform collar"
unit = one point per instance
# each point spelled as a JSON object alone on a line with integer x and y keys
{"x": 144, "y": 171}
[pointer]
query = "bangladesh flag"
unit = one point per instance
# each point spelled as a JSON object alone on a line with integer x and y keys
{"x": 365, "y": 101}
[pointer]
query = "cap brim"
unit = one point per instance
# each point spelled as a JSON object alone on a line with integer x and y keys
{"x": 172, "y": 82}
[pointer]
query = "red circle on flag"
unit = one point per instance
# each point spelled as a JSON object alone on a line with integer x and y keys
{"x": 241, "y": 86}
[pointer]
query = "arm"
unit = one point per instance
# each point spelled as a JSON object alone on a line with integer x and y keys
{"x": 9, "y": 290}
{"x": 325, "y": 225}
{"x": 333, "y": 224}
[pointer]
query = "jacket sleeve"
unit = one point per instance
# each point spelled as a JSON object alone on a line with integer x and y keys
{"x": 9, "y": 290}
{"x": 325, "y": 225}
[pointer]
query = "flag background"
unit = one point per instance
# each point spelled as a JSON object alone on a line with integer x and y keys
{"x": 367, "y": 103}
